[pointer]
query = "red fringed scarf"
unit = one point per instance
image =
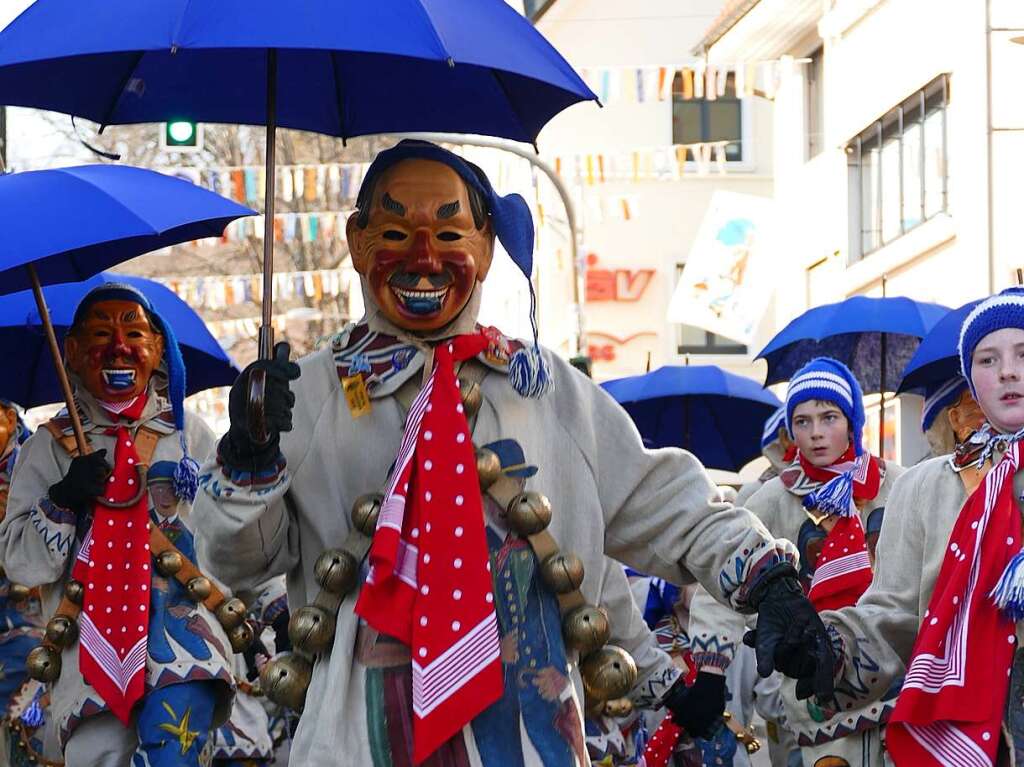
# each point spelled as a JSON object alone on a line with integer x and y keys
{"x": 842, "y": 571}
{"x": 950, "y": 710}
{"x": 429, "y": 584}
{"x": 114, "y": 565}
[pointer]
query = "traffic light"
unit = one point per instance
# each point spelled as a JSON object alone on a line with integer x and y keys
{"x": 182, "y": 136}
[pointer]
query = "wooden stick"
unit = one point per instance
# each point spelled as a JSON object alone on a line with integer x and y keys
{"x": 58, "y": 362}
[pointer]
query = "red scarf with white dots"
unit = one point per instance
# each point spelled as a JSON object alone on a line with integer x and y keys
{"x": 114, "y": 566}
{"x": 429, "y": 584}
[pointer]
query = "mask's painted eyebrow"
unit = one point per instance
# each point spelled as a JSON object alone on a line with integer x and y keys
{"x": 449, "y": 209}
{"x": 389, "y": 203}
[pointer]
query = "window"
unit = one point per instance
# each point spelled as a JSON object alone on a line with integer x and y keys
{"x": 693, "y": 340}
{"x": 814, "y": 108}
{"x": 699, "y": 120}
{"x": 897, "y": 170}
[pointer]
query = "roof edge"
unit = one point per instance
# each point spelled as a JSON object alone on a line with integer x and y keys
{"x": 721, "y": 26}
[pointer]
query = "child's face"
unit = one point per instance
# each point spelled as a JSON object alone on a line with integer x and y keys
{"x": 997, "y": 372}
{"x": 821, "y": 431}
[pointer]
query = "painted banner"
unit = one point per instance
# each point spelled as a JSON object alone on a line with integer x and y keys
{"x": 729, "y": 277}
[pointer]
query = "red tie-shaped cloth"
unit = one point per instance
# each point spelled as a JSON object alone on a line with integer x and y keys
{"x": 114, "y": 565}
{"x": 429, "y": 584}
{"x": 843, "y": 570}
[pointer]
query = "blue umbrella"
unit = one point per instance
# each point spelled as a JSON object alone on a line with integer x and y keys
{"x": 340, "y": 68}
{"x": 856, "y": 332}
{"x": 70, "y": 223}
{"x": 714, "y": 414}
{"x": 23, "y": 344}
{"x": 936, "y": 359}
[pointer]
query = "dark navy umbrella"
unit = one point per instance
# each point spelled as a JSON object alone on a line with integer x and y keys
{"x": 342, "y": 68}
{"x": 874, "y": 337}
{"x": 67, "y": 224}
{"x": 23, "y": 344}
{"x": 937, "y": 359}
{"x": 716, "y": 415}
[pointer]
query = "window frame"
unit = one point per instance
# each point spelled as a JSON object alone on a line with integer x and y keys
{"x": 867, "y": 237}
{"x": 743, "y": 120}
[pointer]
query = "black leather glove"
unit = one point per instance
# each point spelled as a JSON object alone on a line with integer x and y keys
{"x": 699, "y": 707}
{"x": 790, "y": 637}
{"x": 237, "y": 448}
{"x": 86, "y": 478}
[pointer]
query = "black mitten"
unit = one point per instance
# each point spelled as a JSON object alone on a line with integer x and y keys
{"x": 86, "y": 478}
{"x": 699, "y": 707}
{"x": 237, "y": 449}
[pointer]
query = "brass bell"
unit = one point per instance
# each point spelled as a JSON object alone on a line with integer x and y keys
{"x": 311, "y": 629}
{"x": 43, "y": 664}
{"x": 365, "y": 511}
{"x": 562, "y": 572}
{"x": 488, "y": 467}
{"x": 74, "y": 591}
{"x": 231, "y": 613}
{"x": 241, "y": 636}
{"x": 169, "y": 562}
{"x": 618, "y": 708}
{"x": 61, "y": 631}
{"x": 336, "y": 571}
{"x": 529, "y": 513}
{"x": 285, "y": 679}
{"x": 471, "y": 396}
{"x": 18, "y": 593}
{"x": 608, "y": 673}
{"x": 586, "y": 628}
{"x": 198, "y": 588}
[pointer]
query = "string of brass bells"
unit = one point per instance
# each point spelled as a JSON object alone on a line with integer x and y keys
{"x": 608, "y": 672}
{"x": 744, "y": 735}
{"x": 44, "y": 662}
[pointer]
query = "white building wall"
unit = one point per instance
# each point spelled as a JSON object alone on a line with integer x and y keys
{"x": 594, "y": 33}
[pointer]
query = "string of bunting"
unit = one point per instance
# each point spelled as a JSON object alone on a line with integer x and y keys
{"x": 288, "y": 227}
{"x": 669, "y": 163}
{"x": 331, "y": 186}
{"x": 696, "y": 79}
{"x": 220, "y": 291}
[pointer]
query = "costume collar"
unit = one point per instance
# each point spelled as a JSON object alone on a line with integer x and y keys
{"x": 156, "y": 414}
{"x": 986, "y": 445}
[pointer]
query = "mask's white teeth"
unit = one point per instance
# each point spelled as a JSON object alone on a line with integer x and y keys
{"x": 420, "y": 293}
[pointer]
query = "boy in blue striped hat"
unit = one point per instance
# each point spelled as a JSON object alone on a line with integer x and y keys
{"x": 139, "y": 659}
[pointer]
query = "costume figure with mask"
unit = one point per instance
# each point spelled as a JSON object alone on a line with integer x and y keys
{"x": 777, "y": 447}
{"x": 139, "y": 662}
{"x": 470, "y": 573}
{"x": 942, "y": 615}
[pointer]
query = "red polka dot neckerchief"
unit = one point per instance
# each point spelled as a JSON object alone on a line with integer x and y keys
{"x": 114, "y": 565}
{"x": 429, "y": 584}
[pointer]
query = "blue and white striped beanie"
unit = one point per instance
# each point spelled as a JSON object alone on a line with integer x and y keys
{"x": 827, "y": 379}
{"x": 940, "y": 396}
{"x": 1005, "y": 310}
{"x": 771, "y": 427}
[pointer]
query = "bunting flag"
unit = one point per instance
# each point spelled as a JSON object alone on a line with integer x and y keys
{"x": 667, "y": 163}
{"x": 220, "y": 291}
{"x": 333, "y": 185}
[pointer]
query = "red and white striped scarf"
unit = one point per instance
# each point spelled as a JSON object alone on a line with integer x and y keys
{"x": 950, "y": 710}
{"x": 429, "y": 584}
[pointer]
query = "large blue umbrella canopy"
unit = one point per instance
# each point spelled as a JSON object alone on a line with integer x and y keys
{"x": 937, "y": 359}
{"x": 716, "y": 415}
{"x": 343, "y": 68}
{"x": 24, "y": 349}
{"x": 71, "y": 223}
{"x": 854, "y": 331}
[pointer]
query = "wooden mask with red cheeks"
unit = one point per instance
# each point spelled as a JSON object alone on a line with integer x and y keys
{"x": 420, "y": 247}
{"x": 114, "y": 350}
{"x": 8, "y": 427}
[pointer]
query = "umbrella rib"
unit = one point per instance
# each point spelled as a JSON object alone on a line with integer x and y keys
{"x": 338, "y": 98}
{"x": 511, "y": 104}
{"x": 433, "y": 28}
{"x": 120, "y": 91}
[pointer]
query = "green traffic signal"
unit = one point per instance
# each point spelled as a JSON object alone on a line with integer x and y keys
{"x": 181, "y": 133}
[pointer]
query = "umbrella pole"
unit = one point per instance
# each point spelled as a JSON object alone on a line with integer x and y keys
{"x": 62, "y": 374}
{"x": 266, "y": 339}
{"x": 881, "y": 386}
{"x": 256, "y": 419}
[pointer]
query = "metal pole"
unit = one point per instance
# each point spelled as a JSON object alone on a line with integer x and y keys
{"x": 881, "y": 386}
{"x": 266, "y": 337}
{"x": 3, "y": 138}
{"x": 529, "y": 155}
{"x": 58, "y": 363}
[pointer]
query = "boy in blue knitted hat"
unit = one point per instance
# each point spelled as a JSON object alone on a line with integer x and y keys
{"x": 941, "y": 617}
{"x": 824, "y": 499}
{"x": 140, "y": 664}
